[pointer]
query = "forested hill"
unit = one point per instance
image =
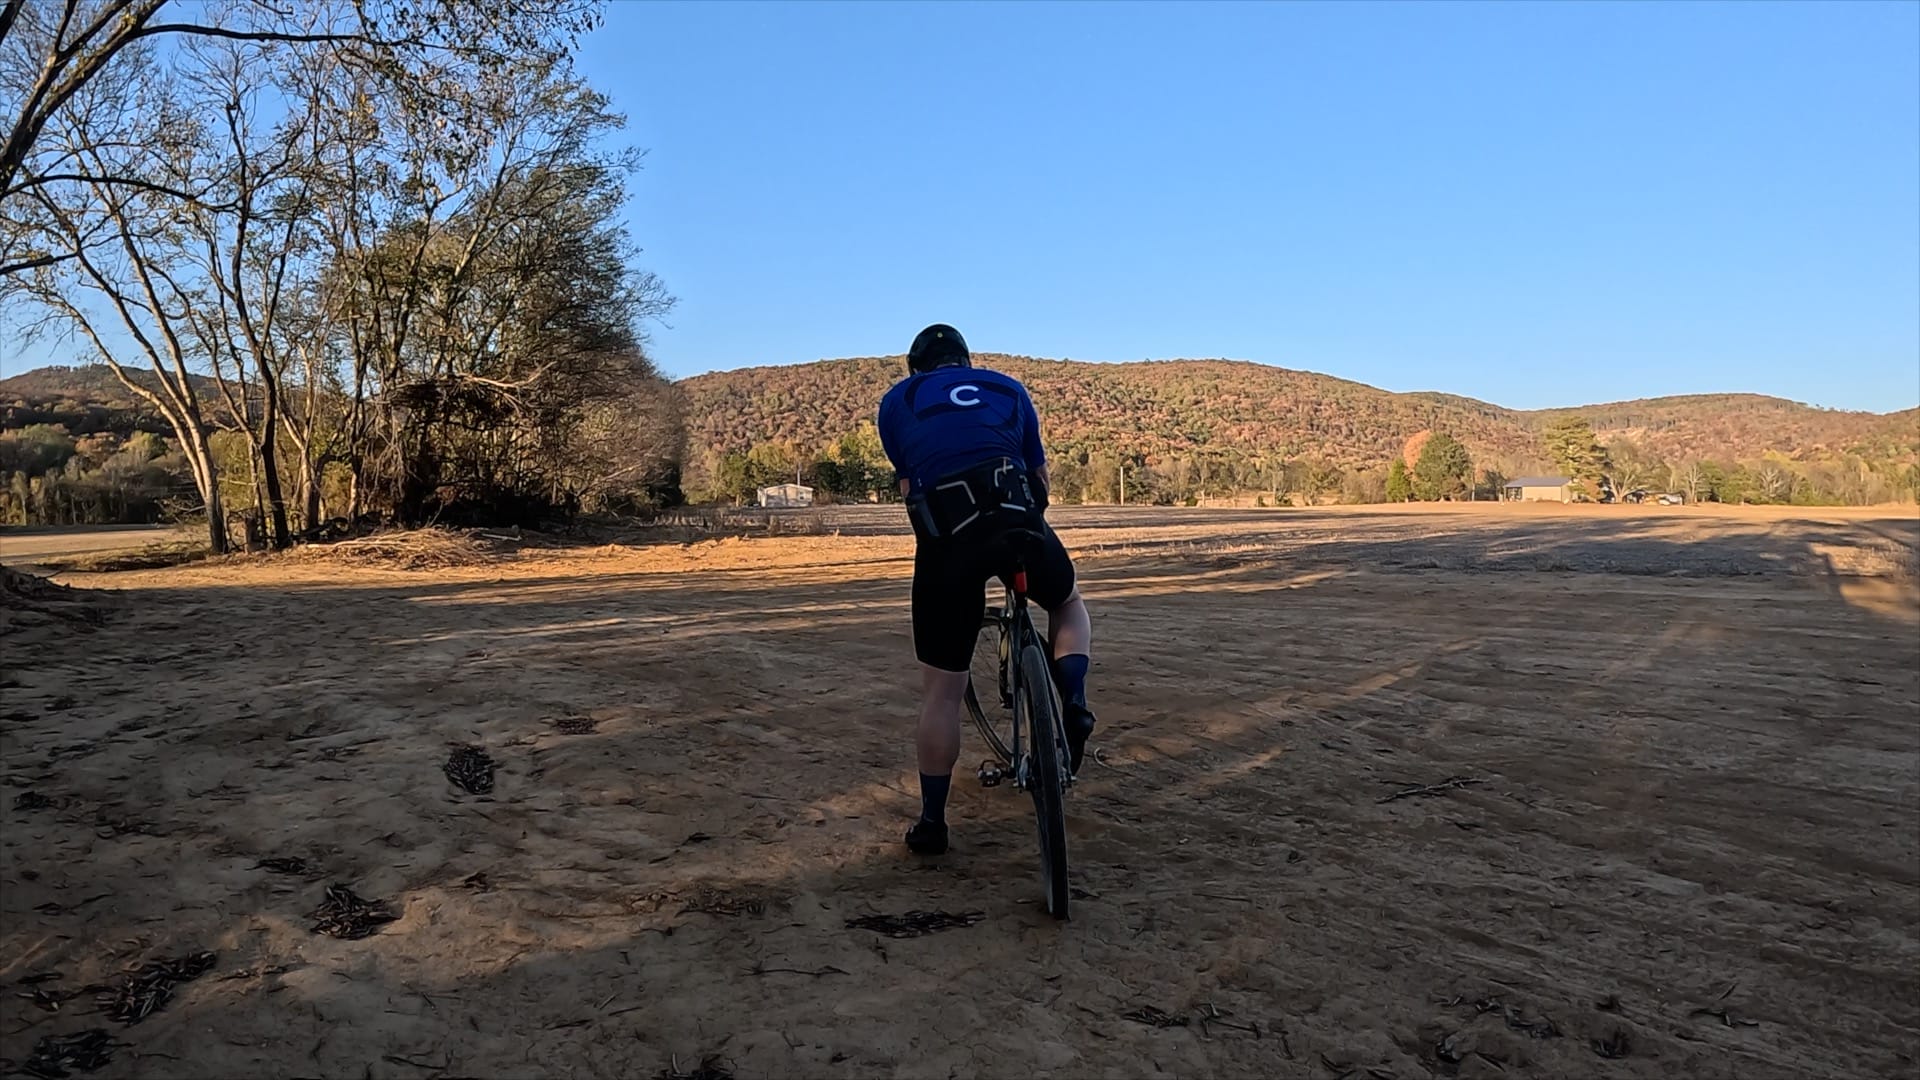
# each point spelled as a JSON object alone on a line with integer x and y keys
{"x": 1165, "y": 408}
{"x": 1179, "y": 429}
{"x": 86, "y": 400}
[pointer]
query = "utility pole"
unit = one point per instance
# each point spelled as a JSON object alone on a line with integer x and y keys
{"x": 1123, "y": 483}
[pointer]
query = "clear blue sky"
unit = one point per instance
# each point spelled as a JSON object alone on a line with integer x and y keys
{"x": 1535, "y": 204}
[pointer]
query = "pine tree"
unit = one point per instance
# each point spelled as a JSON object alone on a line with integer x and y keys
{"x": 1571, "y": 444}
{"x": 1399, "y": 487}
{"x": 1442, "y": 471}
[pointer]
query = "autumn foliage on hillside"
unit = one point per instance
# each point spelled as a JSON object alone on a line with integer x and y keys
{"x": 1161, "y": 432}
{"x": 1227, "y": 425}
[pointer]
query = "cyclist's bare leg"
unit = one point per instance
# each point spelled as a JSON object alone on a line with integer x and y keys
{"x": 1069, "y": 629}
{"x": 937, "y": 743}
{"x": 1071, "y": 633}
{"x": 938, "y": 738}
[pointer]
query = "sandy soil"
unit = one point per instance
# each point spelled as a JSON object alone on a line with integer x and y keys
{"x": 1686, "y": 832}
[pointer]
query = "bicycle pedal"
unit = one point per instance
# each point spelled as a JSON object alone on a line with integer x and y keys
{"x": 991, "y": 775}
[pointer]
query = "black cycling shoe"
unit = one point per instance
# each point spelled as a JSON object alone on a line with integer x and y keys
{"x": 1079, "y": 721}
{"x": 927, "y": 838}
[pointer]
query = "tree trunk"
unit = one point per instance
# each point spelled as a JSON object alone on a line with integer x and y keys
{"x": 276, "y": 498}
{"x": 310, "y": 481}
{"x": 355, "y": 468}
{"x": 200, "y": 457}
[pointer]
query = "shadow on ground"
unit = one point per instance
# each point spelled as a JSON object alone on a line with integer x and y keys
{"x": 1362, "y": 809}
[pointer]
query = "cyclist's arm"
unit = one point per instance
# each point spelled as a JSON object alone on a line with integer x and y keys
{"x": 1032, "y": 448}
{"x": 889, "y": 445}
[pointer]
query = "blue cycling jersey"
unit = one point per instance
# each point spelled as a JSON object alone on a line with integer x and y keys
{"x": 939, "y": 422}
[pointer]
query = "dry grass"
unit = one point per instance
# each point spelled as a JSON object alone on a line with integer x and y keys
{"x": 156, "y": 556}
{"x": 411, "y": 549}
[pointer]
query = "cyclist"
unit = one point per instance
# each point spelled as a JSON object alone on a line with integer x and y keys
{"x": 965, "y": 445}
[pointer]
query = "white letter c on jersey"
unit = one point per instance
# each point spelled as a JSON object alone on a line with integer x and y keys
{"x": 953, "y": 395}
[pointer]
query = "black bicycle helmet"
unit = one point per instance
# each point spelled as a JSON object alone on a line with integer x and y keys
{"x": 938, "y": 346}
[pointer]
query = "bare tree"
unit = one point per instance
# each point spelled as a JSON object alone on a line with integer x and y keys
{"x": 1690, "y": 477}
{"x": 55, "y": 48}
{"x": 118, "y": 272}
{"x": 159, "y": 208}
{"x": 1774, "y": 481}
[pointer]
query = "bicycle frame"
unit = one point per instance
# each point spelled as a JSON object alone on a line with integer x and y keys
{"x": 1034, "y": 713}
{"x": 1015, "y": 628}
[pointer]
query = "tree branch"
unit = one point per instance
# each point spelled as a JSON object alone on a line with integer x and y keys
{"x": 148, "y": 186}
{"x": 197, "y": 30}
{"x": 9, "y": 269}
{"x": 8, "y": 14}
{"x": 48, "y": 98}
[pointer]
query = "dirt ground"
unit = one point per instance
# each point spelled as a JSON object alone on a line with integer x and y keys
{"x": 1671, "y": 825}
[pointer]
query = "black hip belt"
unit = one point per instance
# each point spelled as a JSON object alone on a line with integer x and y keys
{"x": 975, "y": 502}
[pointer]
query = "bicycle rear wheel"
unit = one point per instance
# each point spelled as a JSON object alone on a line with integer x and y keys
{"x": 1048, "y": 779}
{"x": 987, "y": 700}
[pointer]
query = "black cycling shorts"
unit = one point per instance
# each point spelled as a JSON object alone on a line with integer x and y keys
{"x": 950, "y": 593}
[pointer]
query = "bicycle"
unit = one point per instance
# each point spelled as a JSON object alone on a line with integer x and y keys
{"x": 1018, "y": 667}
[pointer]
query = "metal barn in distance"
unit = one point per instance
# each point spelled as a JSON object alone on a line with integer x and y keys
{"x": 785, "y": 496}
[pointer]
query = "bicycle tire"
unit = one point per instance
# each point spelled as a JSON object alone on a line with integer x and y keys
{"x": 985, "y": 663}
{"x": 1049, "y": 774}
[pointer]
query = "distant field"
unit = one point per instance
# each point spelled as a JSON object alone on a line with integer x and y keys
{"x": 1657, "y": 776}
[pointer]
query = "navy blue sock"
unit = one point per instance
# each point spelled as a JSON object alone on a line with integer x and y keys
{"x": 933, "y": 798}
{"x": 1071, "y": 673}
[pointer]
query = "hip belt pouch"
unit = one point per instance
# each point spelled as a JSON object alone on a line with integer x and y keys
{"x": 976, "y": 501}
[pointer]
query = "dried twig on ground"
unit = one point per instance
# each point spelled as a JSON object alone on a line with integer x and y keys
{"x": 50, "y": 999}
{"x": 1616, "y": 1045}
{"x": 1541, "y": 1028}
{"x": 471, "y": 768}
{"x": 915, "y": 923}
{"x": 1212, "y": 1015}
{"x": 762, "y": 969}
{"x": 708, "y": 1069}
{"x": 147, "y": 988}
{"x": 345, "y": 915}
{"x": 575, "y": 725}
{"x": 1725, "y": 1017}
{"x": 85, "y": 1050}
{"x": 1153, "y": 1016}
{"x": 1434, "y": 789}
{"x": 280, "y": 865}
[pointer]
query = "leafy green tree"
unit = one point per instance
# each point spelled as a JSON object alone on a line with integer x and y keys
{"x": 35, "y": 448}
{"x": 730, "y": 480}
{"x": 1399, "y": 486}
{"x": 771, "y": 463}
{"x": 1443, "y": 469}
